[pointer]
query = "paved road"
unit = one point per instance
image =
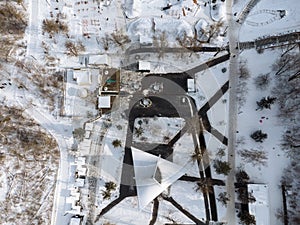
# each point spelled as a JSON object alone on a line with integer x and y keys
{"x": 233, "y": 30}
{"x": 61, "y": 131}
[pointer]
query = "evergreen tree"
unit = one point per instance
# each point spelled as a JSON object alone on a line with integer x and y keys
{"x": 246, "y": 218}
{"x": 258, "y": 136}
{"x": 242, "y": 177}
{"x": 117, "y": 143}
{"x": 222, "y": 167}
{"x": 265, "y": 102}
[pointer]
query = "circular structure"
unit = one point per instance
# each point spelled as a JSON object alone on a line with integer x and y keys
{"x": 145, "y": 102}
{"x": 82, "y": 93}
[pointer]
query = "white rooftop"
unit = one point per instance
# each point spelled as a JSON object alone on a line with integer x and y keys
{"x": 260, "y": 208}
{"x": 144, "y": 66}
{"x": 191, "y": 85}
{"x": 99, "y": 60}
{"x": 89, "y": 126}
{"x": 146, "y": 167}
{"x": 75, "y": 221}
{"x": 104, "y": 102}
{"x": 83, "y": 77}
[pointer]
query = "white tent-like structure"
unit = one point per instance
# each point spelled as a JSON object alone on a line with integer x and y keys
{"x": 153, "y": 175}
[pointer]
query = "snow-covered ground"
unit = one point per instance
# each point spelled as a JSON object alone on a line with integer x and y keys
{"x": 157, "y": 130}
{"x": 249, "y": 120}
{"x": 261, "y": 22}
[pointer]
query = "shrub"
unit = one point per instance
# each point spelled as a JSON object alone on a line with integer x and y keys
{"x": 222, "y": 167}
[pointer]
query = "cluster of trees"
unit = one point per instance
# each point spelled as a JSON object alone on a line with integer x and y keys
{"x": 118, "y": 38}
{"x": 79, "y": 133}
{"x": 246, "y": 218}
{"x": 12, "y": 20}
{"x": 29, "y": 160}
{"x": 242, "y": 89}
{"x": 12, "y": 26}
{"x": 54, "y": 26}
{"x": 287, "y": 89}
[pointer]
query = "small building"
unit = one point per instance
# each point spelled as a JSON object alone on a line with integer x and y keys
{"x": 75, "y": 221}
{"x": 191, "y": 85}
{"x": 260, "y": 208}
{"x": 97, "y": 60}
{"x": 144, "y": 66}
{"x": 145, "y": 40}
{"x": 87, "y": 134}
{"x": 82, "y": 77}
{"x": 79, "y": 182}
{"x": 104, "y": 102}
{"x": 89, "y": 126}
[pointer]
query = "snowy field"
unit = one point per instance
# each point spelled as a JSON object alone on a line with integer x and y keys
{"x": 250, "y": 120}
{"x": 263, "y": 19}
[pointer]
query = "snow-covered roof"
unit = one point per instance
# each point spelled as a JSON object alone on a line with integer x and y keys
{"x": 79, "y": 182}
{"x": 75, "y": 221}
{"x": 99, "y": 59}
{"x": 191, "y": 85}
{"x": 260, "y": 208}
{"x": 145, "y": 40}
{"x": 83, "y": 77}
{"x": 144, "y": 66}
{"x": 89, "y": 126}
{"x": 104, "y": 102}
{"x": 146, "y": 167}
{"x": 80, "y": 160}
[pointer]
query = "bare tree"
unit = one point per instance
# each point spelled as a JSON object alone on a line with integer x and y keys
{"x": 12, "y": 20}
{"x": 105, "y": 42}
{"x": 291, "y": 139}
{"x": 255, "y": 157}
{"x": 74, "y": 48}
{"x": 54, "y": 26}
{"x": 223, "y": 198}
{"x": 120, "y": 38}
{"x": 262, "y": 81}
{"x": 214, "y": 30}
{"x": 222, "y": 167}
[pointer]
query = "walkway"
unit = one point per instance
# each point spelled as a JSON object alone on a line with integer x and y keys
{"x": 233, "y": 30}
{"x": 271, "y": 41}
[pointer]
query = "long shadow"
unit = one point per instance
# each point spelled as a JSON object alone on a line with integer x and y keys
{"x": 109, "y": 207}
{"x": 208, "y": 64}
{"x": 214, "y": 99}
{"x": 185, "y": 212}
{"x": 207, "y": 172}
{"x": 195, "y": 179}
{"x": 154, "y": 211}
